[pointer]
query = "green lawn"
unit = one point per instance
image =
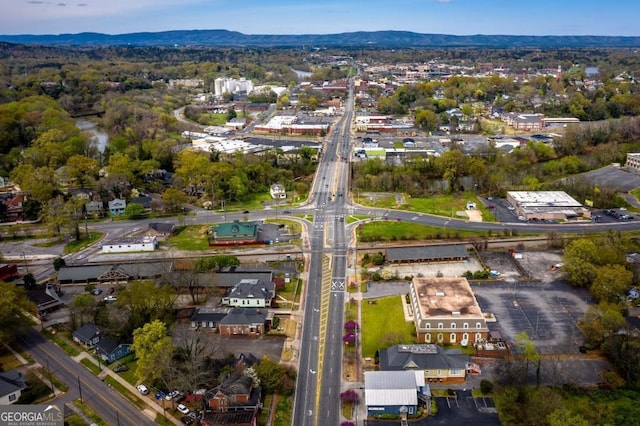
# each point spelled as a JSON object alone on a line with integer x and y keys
{"x": 284, "y": 410}
{"x": 448, "y": 205}
{"x": 89, "y": 413}
{"x": 191, "y": 238}
{"x": 125, "y": 392}
{"x": 90, "y": 365}
{"x": 85, "y": 242}
{"x": 354, "y": 218}
{"x": 291, "y": 290}
{"x": 383, "y": 325}
{"x": 398, "y": 231}
{"x": 63, "y": 340}
{"x": 381, "y": 202}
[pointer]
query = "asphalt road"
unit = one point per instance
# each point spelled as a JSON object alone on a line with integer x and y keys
{"x": 105, "y": 401}
{"x": 317, "y": 399}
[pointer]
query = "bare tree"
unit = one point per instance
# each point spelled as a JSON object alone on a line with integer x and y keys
{"x": 193, "y": 350}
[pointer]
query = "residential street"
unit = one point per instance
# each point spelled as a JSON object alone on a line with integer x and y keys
{"x": 105, "y": 401}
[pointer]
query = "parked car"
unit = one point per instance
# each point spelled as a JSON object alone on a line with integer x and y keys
{"x": 142, "y": 389}
{"x": 182, "y": 408}
{"x": 172, "y": 394}
{"x": 110, "y": 298}
{"x": 96, "y": 292}
{"x": 160, "y": 394}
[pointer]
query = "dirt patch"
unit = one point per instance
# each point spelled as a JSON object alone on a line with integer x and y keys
{"x": 502, "y": 263}
{"x": 539, "y": 265}
{"x": 474, "y": 215}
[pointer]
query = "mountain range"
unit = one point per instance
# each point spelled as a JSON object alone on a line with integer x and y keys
{"x": 383, "y": 39}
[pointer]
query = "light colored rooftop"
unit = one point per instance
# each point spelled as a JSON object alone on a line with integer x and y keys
{"x": 543, "y": 199}
{"x": 446, "y": 297}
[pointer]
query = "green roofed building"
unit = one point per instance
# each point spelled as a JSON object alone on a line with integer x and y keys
{"x": 234, "y": 233}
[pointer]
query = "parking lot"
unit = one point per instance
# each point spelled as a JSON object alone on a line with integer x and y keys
{"x": 547, "y": 312}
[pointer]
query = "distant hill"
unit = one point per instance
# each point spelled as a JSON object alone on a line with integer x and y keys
{"x": 385, "y": 39}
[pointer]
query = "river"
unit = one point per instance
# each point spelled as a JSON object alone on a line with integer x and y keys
{"x": 302, "y": 74}
{"x": 100, "y": 137}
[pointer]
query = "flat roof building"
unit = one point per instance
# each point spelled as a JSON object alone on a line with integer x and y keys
{"x": 546, "y": 205}
{"x": 446, "y": 311}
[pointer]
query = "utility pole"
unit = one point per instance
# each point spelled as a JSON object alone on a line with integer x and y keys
{"x": 26, "y": 265}
{"x": 50, "y": 380}
{"x": 80, "y": 389}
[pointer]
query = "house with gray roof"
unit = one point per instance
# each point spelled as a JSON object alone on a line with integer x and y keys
{"x": 435, "y": 363}
{"x": 231, "y": 277}
{"x": 94, "y": 207}
{"x": 12, "y": 383}
{"x": 117, "y": 206}
{"x": 208, "y": 317}
{"x": 87, "y": 335}
{"x": 162, "y": 230}
{"x": 392, "y": 392}
{"x": 249, "y": 293}
{"x": 246, "y": 322}
{"x": 432, "y": 253}
{"x": 111, "y": 351}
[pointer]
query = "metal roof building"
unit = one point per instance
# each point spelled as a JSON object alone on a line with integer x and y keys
{"x": 438, "y": 253}
{"x": 391, "y": 392}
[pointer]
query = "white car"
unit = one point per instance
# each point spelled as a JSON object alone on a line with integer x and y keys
{"x": 171, "y": 395}
{"x": 142, "y": 389}
{"x": 82, "y": 256}
{"x": 110, "y": 298}
{"x": 182, "y": 408}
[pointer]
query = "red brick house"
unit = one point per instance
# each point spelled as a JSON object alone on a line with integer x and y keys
{"x": 246, "y": 322}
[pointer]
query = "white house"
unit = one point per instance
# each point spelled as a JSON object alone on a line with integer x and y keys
{"x": 250, "y": 293}
{"x": 277, "y": 191}
{"x": 131, "y": 244}
{"x": 11, "y": 385}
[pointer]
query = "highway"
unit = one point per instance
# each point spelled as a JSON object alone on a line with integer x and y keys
{"x": 105, "y": 401}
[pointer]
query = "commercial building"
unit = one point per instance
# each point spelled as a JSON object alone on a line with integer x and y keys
{"x": 394, "y": 392}
{"x": 436, "y": 363}
{"x": 446, "y": 311}
{"x": 234, "y": 233}
{"x": 130, "y": 245}
{"x": 633, "y": 161}
{"x": 543, "y": 205}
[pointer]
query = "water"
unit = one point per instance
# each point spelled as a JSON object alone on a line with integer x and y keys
{"x": 302, "y": 74}
{"x": 100, "y": 138}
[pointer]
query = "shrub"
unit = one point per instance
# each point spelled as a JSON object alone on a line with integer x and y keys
{"x": 377, "y": 259}
{"x": 486, "y": 386}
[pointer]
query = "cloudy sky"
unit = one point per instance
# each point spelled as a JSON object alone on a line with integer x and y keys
{"x": 514, "y": 17}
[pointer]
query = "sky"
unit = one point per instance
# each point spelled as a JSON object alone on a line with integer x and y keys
{"x": 458, "y": 17}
